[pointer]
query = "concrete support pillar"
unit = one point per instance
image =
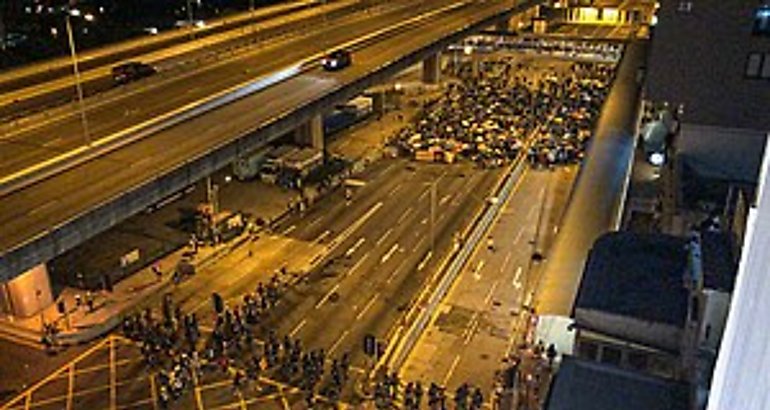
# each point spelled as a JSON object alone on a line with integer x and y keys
{"x": 378, "y": 102}
{"x": 28, "y": 293}
{"x": 311, "y": 133}
{"x": 503, "y": 26}
{"x": 431, "y": 69}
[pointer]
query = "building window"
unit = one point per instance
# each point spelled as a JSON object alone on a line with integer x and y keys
{"x": 637, "y": 360}
{"x": 765, "y": 73}
{"x": 754, "y": 65}
{"x": 761, "y": 22}
{"x": 611, "y": 355}
{"x": 588, "y": 350}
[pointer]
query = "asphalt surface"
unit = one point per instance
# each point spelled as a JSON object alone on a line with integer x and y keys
{"x": 29, "y": 212}
{"x": 370, "y": 262}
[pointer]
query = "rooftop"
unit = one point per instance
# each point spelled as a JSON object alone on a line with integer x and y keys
{"x": 636, "y": 275}
{"x": 585, "y": 385}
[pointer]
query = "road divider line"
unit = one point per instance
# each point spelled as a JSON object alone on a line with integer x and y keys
{"x": 297, "y": 328}
{"x": 383, "y": 237}
{"x": 337, "y": 343}
{"x": 404, "y": 215}
{"x": 357, "y": 265}
{"x": 424, "y": 260}
{"x": 516, "y": 281}
{"x": 390, "y": 253}
{"x": 355, "y": 246}
{"x": 366, "y": 308}
{"x": 327, "y": 296}
{"x": 322, "y": 236}
{"x": 451, "y": 370}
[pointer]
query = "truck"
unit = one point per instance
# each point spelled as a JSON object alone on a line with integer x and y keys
{"x": 249, "y": 166}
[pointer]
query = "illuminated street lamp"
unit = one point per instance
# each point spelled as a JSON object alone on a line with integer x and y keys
{"x": 72, "y": 12}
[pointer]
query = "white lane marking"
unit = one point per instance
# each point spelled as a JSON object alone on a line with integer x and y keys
{"x": 419, "y": 243}
{"x": 444, "y": 199}
{"x": 394, "y": 190}
{"x": 404, "y": 215}
{"x": 355, "y": 246}
{"x": 382, "y": 238}
{"x": 366, "y": 308}
{"x": 505, "y": 262}
{"x": 323, "y": 236}
{"x": 390, "y": 253}
{"x": 471, "y": 331}
{"x": 491, "y": 292}
{"x": 395, "y": 272}
{"x": 424, "y": 221}
{"x": 516, "y": 281}
{"x": 352, "y": 228}
{"x": 518, "y": 235}
{"x": 477, "y": 270}
{"x": 357, "y": 265}
{"x": 297, "y": 328}
{"x": 337, "y": 343}
{"x": 424, "y": 260}
{"x": 315, "y": 221}
{"x": 451, "y": 370}
{"x": 289, "y": 229}
{"x": 327, "y": 296}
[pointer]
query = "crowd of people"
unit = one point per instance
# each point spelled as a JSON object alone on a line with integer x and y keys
{"x": 171, "y": 343}
{"x": 490, "y": 113}
{"x": 387, "y": 392}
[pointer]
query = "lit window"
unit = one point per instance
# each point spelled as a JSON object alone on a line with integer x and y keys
{"x": 685, "y": 6}
{"x": 761, "y": 21}
{"x": 754, "y": 65}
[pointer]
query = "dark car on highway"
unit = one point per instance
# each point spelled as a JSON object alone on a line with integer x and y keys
{"x": 337, "y": 60}
{"x": 131, "y": 71}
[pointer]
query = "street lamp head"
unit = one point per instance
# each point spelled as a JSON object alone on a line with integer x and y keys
{"x": 74, "y": 12}
{"x": 89, "y": 17}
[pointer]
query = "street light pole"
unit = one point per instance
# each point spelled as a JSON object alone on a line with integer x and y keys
{"x": 433, "y": 215}
{"x": 76, "y": 72}
{"x": 190, "y": 19}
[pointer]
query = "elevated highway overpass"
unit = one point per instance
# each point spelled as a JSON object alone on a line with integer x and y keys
{"x": 51, "y": 201}
{"x": 33, "y": 88}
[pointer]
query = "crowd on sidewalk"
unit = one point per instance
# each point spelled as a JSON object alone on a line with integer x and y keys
{"x": 489, "y": 112}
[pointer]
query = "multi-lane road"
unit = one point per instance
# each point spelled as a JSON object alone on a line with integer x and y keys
{"x": 367, "y": 260}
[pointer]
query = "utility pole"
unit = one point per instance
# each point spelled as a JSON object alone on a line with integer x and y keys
{"x": 76, "y": 72}
{"x": 433, "y": 215}
{"x": 190, "y": 19}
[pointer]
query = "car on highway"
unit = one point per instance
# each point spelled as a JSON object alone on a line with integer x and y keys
{"x": 131, "y": 71}
{"x": 337, "y": 60}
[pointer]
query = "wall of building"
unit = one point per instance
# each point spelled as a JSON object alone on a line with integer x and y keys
{"x": 740, "y": 378}
{"x": 699, "y": 58}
